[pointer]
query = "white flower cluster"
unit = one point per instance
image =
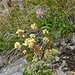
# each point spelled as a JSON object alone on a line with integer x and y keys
{"x": 29, "y": 42}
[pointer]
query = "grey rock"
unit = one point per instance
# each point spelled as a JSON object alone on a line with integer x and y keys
{"x": 73, "y": 39}
{"x": 60, "y": 72}
{"x": 63, "y": 63}
{"x": 56, "y": 58}
{"x": 7, "y": 70}
{"x": 61, "y": 47}
{"x": 20, "y": 61}
{"x": 65, "y": 68}
{"x": 16, "y": 68}
{"x": 56, "y": 44}
{"x": 12, "y": 59}
{"x": 17, "y": 73}
{"x": 70, "y": 73}
{"x": 64, "y": 57}
{"x": 1, "y": 61}
{"x": 70, "y": 47}
{"x": 2, "y": 74}
{"x": 63, "y": 43}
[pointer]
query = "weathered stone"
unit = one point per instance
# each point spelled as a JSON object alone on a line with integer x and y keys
{"x": 15, "y": 68}
{"x": 59, "y": 72}
{"x": 1, "y": 61}
{"x": 17, "y": 73}
{"x": 73, "y": 39}
{"x": 56, "y": 58}
{"x": 70, "y": 73}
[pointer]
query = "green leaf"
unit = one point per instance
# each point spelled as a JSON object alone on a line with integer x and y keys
{"x": 45, "y": 27}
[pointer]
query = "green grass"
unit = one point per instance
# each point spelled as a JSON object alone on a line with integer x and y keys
{"x": 58, "y": 10}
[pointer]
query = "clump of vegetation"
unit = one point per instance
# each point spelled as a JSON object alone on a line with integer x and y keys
{"x": 41, "y": 52}
{"x": 58, "y": 17}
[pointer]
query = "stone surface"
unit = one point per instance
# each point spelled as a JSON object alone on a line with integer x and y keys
{"x": 1, "y": 61}
{"x": 73, "y": 39}
{"x": 16, "y": 68}
{"x": 71, "y": 47}
{"x": 59, "y": 72}
{"x": 17, "y": 73}
{"x": 70, "y": 73}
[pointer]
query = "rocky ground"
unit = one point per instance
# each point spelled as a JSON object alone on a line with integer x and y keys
{"x": 64, "y": 62}
{"x": 67, "y": 47}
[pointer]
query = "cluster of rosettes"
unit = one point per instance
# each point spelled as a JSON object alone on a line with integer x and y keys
{"x": 49, "y": 53}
